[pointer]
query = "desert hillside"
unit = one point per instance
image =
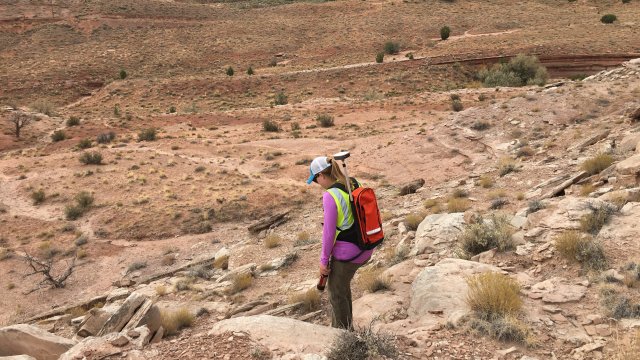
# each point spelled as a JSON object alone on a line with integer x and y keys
{"x": 153, "y": 158}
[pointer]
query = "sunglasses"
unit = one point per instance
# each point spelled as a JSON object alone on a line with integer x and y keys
{"x": 315, "y": 178}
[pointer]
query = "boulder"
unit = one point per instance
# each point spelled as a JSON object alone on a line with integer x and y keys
{"x": 93, "y": 322}
{"x": 147, "y": 315}
{"x": 629, "y": 166}
{"x": 282, "y": 334}
{"x": 629, "y": 143}
{"x": 23, "y": 339}
{"x": 440, "y": 291}
{"x": 567, "y": 213}
{"x": 437, "y": 229}
{"x": 412, "y": 187}
{"x": 121, "y": 317}
{"x": 376, "y": 306}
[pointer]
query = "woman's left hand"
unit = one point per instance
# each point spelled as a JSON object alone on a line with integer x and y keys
{"x": 324, "y": 270}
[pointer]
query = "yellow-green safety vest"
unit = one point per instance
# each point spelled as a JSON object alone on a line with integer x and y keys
{"x": 345, "y": 216}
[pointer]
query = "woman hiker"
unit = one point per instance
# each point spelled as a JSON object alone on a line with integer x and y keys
{"x": 340, "y": 257}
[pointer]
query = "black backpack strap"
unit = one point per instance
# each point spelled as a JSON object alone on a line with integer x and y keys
{"x": 343, "y": 187}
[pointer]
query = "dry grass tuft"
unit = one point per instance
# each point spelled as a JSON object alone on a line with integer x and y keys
{"x": 173, "y": 321}
{"x": 576, "y": 247}
{"x": 240, "y": 282}
{"x": 628, "y": 349}
{"x": 221, "y": 262}
{"x": 168, "y": 260}
{"x": 371, "y": 279}
{"x": 587, "y": 189}
{"x": 363, "y": 344}
{"x": 493, "y": 295}
{"x": 485, "y": 181}
{"x": 161, "y": 290}
{"x": 594, "y": 221}
{"x": 506, "y": 165}
{"x": 413, "y": 220}
{"x": 455, "y": 205}
{"x": 310, "y": 299}
{"x": 272, "y": 241}
{"x": 597, "y": 163}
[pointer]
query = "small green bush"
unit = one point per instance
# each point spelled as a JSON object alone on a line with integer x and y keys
{"x": 250, "y": 71}
{"x": 576, "y": 247}
{"x": 172, "y": 110}
{"x": 325, "y": 120}
{"x": 608, "y": 19}
{"x": 519, "y": 71}
{"x": 281, "y": 98}
{"x": 73, "y": 212}
{"x": 379, "y": 57}
{"x": 147, "y": 134}
{"x": 229, "y": 71}
{"x": 391, "y": 47}
{"x": 91, "y": 158}
{"x": 270, "y": 126}
{"x": 593, "y": 221}
{"x": 84, "y": 199}
{"x": 73, "y": 121}
{"x": 456, "y": 105}
{"x": 123, "y": 74}
{"x": 58, "y": 135}
{"x": 445, "y": 31}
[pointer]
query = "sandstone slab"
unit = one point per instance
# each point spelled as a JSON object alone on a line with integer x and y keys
{"x": 437, "y": 229}
{"x": 629, "y": 166}
{"x": 30, "y": 340}
{"x": 287, "y": 335}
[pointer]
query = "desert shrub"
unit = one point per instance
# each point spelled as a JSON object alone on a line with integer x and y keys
{"x": 493, "y": 295}
{"x": 4, "y": 253}
{"x": 272, "y": 240}
{"x": 84, "y": 199}
{"x": 460, "y": 193}
{"x": 240, "y": 282}
{"x": 371, "y": 279}
{"x": 91, "y": 158}
{"x": 506, "y": 165}
{"x": 172, "y": 110}
{"x": 456, "y": 105}
{"x": 84, "y": 144}
{"x": 498, "y": 203}
{"x": 161, "y": 290}
{"x": 43, "y": 107}
{"x": 229, "y": 71}
{"x": 455, "y": 205}
{"x": 535, "y": 206}
{"x": 281, "y": 98}
{"x": 507, "y": 328}
{"x": 58, "y": 135}
{"x": 576, "y": 247}
{"x": 525, "y": 151}
{"x": 379, "y": 57}
{"x": 608, "y": 18}
{"x": 200, "y": 169}
{"x": 73, "y": 212}
{"x": 618, "y": 306}
{"x": 73, "y": 121}
{"x": 487, "y": 234}
{"x": 122, "y": 74}
{"x": 519, "y": 71}
{"x": 391, "y": 47}
{"x": 310, "y": 299}
{"x": 147, "y": 134}
{"x": 137, "y": 265}
{"x": 174, "y": 321}
{"x": 430, "y": 203}
{"x": 325, "y": 120}
{"x": 597, "y": 163}
{"x": 38, "y": 197}
{"x": 363, "y": 344}
{"x": 480, "y": 125}
{"x": 106, "y": 138}
{"x": 598, "y": 216}
{"x": 445, "y": 31}
{"x": 168, "y": 260}
{"x": 413, "y": 220}
{"x": 250, "y": 71}
{"x": 270, "y": 126}
{"x": 81, "y": 240}
{"x": 486, "y": 181}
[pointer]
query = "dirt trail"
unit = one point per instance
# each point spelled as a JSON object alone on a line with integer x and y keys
{"x": 19, "y": 206}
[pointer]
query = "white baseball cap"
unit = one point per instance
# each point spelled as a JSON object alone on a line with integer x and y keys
{"x": 317, "y": 165}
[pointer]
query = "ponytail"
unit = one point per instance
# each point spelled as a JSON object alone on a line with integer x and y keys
{"x": 334, "y": 171}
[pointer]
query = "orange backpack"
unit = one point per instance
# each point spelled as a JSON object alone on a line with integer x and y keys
{"x": 366, "y": 231}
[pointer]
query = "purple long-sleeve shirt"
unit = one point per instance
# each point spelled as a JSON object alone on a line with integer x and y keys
{"x": 341, "y": 250}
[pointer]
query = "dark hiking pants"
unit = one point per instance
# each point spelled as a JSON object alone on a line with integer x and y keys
{"x": 340, "y": 293}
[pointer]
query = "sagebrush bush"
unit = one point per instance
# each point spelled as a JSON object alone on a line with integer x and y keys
{"x": 38, "y": 197}
{"x": 506, "y": 165}
{"x": 123, "y": 74}
{"x": 250, "y": 71}
{"x": 413, "y": 220}
{"x": 270, "y": 126}
{"x": 486, "y": 181}
{"x": 597, "y": 163}
{"x": 84, "y": 144}
{"x": 58, "y": 135}
{"x": 363, "y": 344}
{"x": 379, "y": 57}
{"x": 44, "y": 107}
{"x": 456, "y": 105}
{"x": 147, "y": 134}
{"x": 106, "y": 138}
{"x": 487, "y": 234}
{"x": 618, "y": 306}
{"x": 507, "y": 328}
{"x": 281, "y": 98}
{"x": 535, "y": 206}
{"x": 372, "y": 280}
{"x": 91, "y": 158}
{"x": 594, "y": 220}
{"x": 84, "y": 200}
{"x": 229, "y": 71}
{"x": 519, "y": 71}
{"x": 310, "y": 299}
{"x": 325, "y": 120}
{"x": 136, "y": 265}
{"x": 493, "y": 295}
{"x": 73, "y": 212}
{"x": 455, "y": 205}
{"x": 174, "y": 321}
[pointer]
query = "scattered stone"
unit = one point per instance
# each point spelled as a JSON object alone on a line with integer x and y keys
{"x": 613, "y": 274}
{"x": 120, "y": 341}
{"x": 412, "y": 187}
{"x": 557, "y": 291}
